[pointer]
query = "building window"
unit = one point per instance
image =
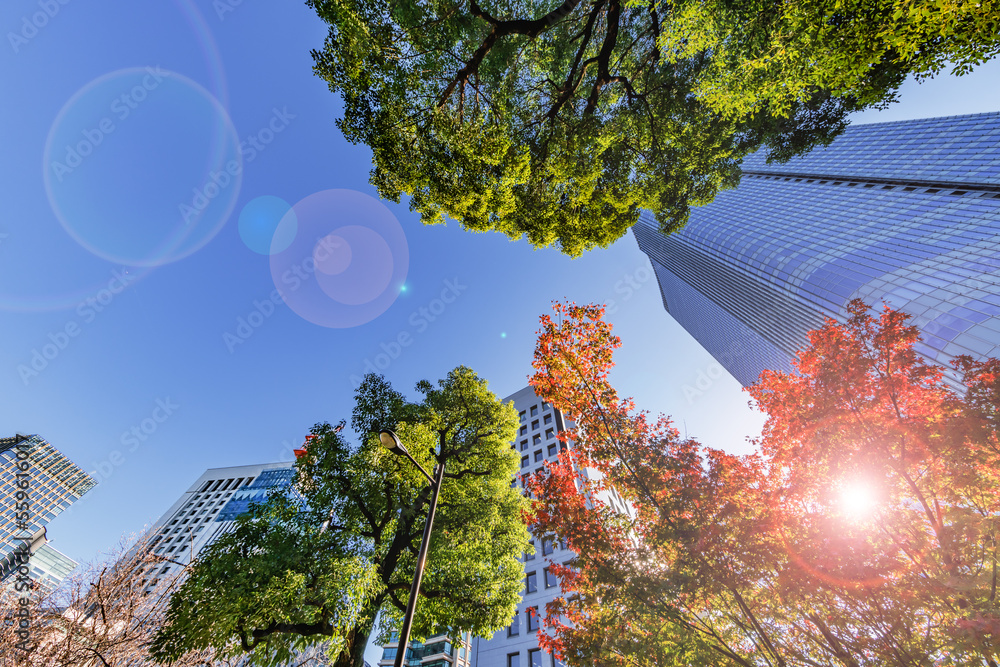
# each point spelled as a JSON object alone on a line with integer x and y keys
{"x": 524, "y": 429}
{"x": 524, "y": 444}
{"x": 550, "y": 579}
{"x": 548, "y": 418}
{"x": 553, "y": 449}
{"x": 524, "y": 461}
{"x": 547, "y": 547}
{"x": 549, "y": 433}
{"x": 513, "y": 660}
{"x": 534, "y": 425}
{"x": 530, "y": 555}
{"x": 538, "y": 456}
{"x": 514, "y": 629}
{"x": 531, "y": 582}
{"x": 535, "y": 657}
{"x": 537, "y": 439}
{"x": 521, "y": 414}
{"x": 534, "y": 410}
{"x": 532, "y": 619}
{"x": 545, "y": 406}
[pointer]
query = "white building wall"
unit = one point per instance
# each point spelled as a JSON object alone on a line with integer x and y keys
{"x": 189, "y": 525}
{"x": 536, "y": 443}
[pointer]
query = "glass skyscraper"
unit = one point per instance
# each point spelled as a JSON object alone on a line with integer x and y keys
{"x": 37, "y": 482}
{"x": 904, "y": 212}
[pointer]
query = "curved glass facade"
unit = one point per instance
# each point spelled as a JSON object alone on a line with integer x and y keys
{"x": 905, "y": 212}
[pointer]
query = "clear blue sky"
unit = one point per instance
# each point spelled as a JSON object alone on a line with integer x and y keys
{"x": 114, "y": 113}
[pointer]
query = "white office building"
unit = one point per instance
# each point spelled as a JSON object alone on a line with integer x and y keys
{"x": 206, "y": 510}
{"x": 517, "y": 645}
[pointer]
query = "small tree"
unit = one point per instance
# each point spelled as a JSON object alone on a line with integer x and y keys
{"x": 770, "y": 558}
{"x": 102, "y": 616}
{"x": 321, "y": 564}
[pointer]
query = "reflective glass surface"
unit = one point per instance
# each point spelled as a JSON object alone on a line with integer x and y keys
{"x": 882, "y": 221}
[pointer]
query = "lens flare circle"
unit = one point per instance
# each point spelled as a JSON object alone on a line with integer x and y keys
{"x": 370, "y": 262}
{"x": 332, "y": 255}
{"x": 347, "y": 261}
{"x": 261, "y": 225}
{"x": 174, "y": 141}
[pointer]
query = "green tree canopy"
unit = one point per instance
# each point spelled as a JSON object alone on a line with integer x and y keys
{"x": 560, "y": 122}
{"x": 555, "y": 121}
{"x": 320, "y": 563}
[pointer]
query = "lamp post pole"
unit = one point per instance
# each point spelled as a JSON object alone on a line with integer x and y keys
{"x": 392, "y": 442}
{"x": 411, "y": 603}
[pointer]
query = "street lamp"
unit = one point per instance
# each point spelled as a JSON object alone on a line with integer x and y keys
{"x": 391, "y": 442}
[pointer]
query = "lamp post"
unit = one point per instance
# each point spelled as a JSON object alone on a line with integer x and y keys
{"x": 391, "y": 442}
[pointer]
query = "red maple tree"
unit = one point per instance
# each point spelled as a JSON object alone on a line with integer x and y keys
{"x": 863, "y": 531}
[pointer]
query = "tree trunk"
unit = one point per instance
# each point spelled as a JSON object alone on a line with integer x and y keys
{"x": 353, "y": 654}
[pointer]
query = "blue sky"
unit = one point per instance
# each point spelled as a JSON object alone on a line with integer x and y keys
{"x": 148, "y": 351}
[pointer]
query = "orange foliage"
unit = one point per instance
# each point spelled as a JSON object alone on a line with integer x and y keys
{"x": 761, "y": 559}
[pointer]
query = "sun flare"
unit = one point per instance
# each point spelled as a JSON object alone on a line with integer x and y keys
{"x": 858, "y": 500}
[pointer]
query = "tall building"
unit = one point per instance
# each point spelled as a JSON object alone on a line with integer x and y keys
{"x": 37, "y": 482}
{"x": 517, "y": 644}
{"x": 907, "y": 212}
{"x": 206, "y": 510}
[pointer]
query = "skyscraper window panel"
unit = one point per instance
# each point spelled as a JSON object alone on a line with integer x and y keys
{"x": 764, "y": 263}
{"x": 54, "y": 481}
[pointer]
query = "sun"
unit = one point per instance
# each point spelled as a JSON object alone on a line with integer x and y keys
{"x": 858, "y": 499}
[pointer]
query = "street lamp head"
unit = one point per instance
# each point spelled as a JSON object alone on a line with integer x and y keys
{"x": 391, "y": 442}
